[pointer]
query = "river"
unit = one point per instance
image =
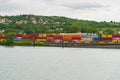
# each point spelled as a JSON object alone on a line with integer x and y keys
{"x": 56, "y": 63}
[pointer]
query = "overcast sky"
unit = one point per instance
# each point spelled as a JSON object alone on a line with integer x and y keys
{"x": 98, "y": 10}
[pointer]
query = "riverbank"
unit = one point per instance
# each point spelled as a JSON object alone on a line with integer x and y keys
{"x": 70, "y": 45}
{"x": 85, "y": 45}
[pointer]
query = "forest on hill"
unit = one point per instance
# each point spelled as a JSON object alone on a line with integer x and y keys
{"x": 53, "y": 24}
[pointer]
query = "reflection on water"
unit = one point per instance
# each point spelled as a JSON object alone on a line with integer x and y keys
{"x": 46, "y": 63}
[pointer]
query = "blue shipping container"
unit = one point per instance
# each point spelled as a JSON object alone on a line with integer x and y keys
{"x": 97, "y": 39}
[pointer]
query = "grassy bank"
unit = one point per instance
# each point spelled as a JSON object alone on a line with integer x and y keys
{"x": 65, "y": 44}
{"x": 22, "y": 43}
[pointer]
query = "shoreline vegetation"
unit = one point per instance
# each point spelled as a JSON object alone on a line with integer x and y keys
{"x": 64, "y": 45}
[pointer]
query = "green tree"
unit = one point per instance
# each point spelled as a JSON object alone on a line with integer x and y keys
{"x": 108, "y": 31}
{"x": 9, "y": 38}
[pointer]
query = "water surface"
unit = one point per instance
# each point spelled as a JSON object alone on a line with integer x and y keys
{"x": 49, "y": 63}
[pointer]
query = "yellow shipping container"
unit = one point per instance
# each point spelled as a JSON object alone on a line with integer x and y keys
{"x": 118, "y": 41}
{"x": 44, "y": 35}
{"x": 114, "y": 41}
{"x": 104, "y": 36}
{"x": 109, "y": 36}
{"x": 40, "y": 35}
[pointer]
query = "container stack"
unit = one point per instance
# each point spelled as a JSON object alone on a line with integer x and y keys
{"x": 107, "y": 38}
{"x": 116, "y": 38}
{"x": 50, "y": 37}
{"x": 58, "y": 38}
{"x": 42, "y": 37}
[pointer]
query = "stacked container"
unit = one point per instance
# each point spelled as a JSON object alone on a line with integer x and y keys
{"x": 67, "y": 37}
{"x": 2, "y": 36}
{"x": 58, "y": 38}
{"x": 116, "y": 38}
{"x": 18, "y": 37}
{"x": 42, "y": 37}
{"x": 50, "y": 37}
{"x": 33, "y": 37}
{"x": 96, "y": 39}
{"x": 76, "y": 38}
{"x": 25, "y": 36}
{"x": 87, "y": 37}
{"x": 107, "y": 38}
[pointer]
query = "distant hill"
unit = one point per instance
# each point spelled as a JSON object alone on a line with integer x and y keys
{"x": 40, "y": 24}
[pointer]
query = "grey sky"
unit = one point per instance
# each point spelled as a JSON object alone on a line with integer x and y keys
{"x": 99, "y": 10}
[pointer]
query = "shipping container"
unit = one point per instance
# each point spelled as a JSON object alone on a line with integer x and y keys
{"x": 114, "y": 41}
{"x": 40, "y": 35}
{"x": 109, "y": 36}
{"x": 67, "y": 38}
{"x": 115, "y": 35}
{"x": 87, "y": 39}
{"x": 50, "y": 35}
{"x": 2, "y": 36}
{"x": 18, "y": 38}
{"x": 33, "y": 37}
{"x": 97, "y": 39}
{"x": 115, "y": 38}
{"x": 58, "y": 40}
{"x": 25, "y": 36}
{"x": 44, "y": 35}
{"x": 58, "y": 36}
{"x": 50, "y": 39}
{"x": 18, "y": 35}
{"x": 76, "y": 38}
{"x": 107, "y": 39}
{"x": 104, "y": 36}
{"x": 43, "y": 39}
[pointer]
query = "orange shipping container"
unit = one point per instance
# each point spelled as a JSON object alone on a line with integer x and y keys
{"x": 44, "y": 35}
{"x": 58, "y": 36}
{"x": 50, "y": 39}
{"x": 67, "y": 38}
{"x": 25, "y": 36}
{"x": 76, "y": 36}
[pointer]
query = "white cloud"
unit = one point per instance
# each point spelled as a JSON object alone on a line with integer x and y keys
{"x": 83, "y": 9}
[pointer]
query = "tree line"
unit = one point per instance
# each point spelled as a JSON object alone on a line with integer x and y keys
{"x": 54, "y": 24}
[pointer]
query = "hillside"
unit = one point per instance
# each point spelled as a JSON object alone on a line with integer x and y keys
{"x": 42, "y": 24}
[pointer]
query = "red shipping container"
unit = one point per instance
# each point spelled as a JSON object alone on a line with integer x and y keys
{"x": 50, "y": 35}
{"x": 50, "y": 39}
{"x": 2, "y": 36}
{"x": 33, "y": 37}
{"x": 107, "y": 39}
{"x": 25, "y": 36}
{"x": 58, "y": 36}
{"x": 18, "y": 35}
{"x": 115, "y": 35}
